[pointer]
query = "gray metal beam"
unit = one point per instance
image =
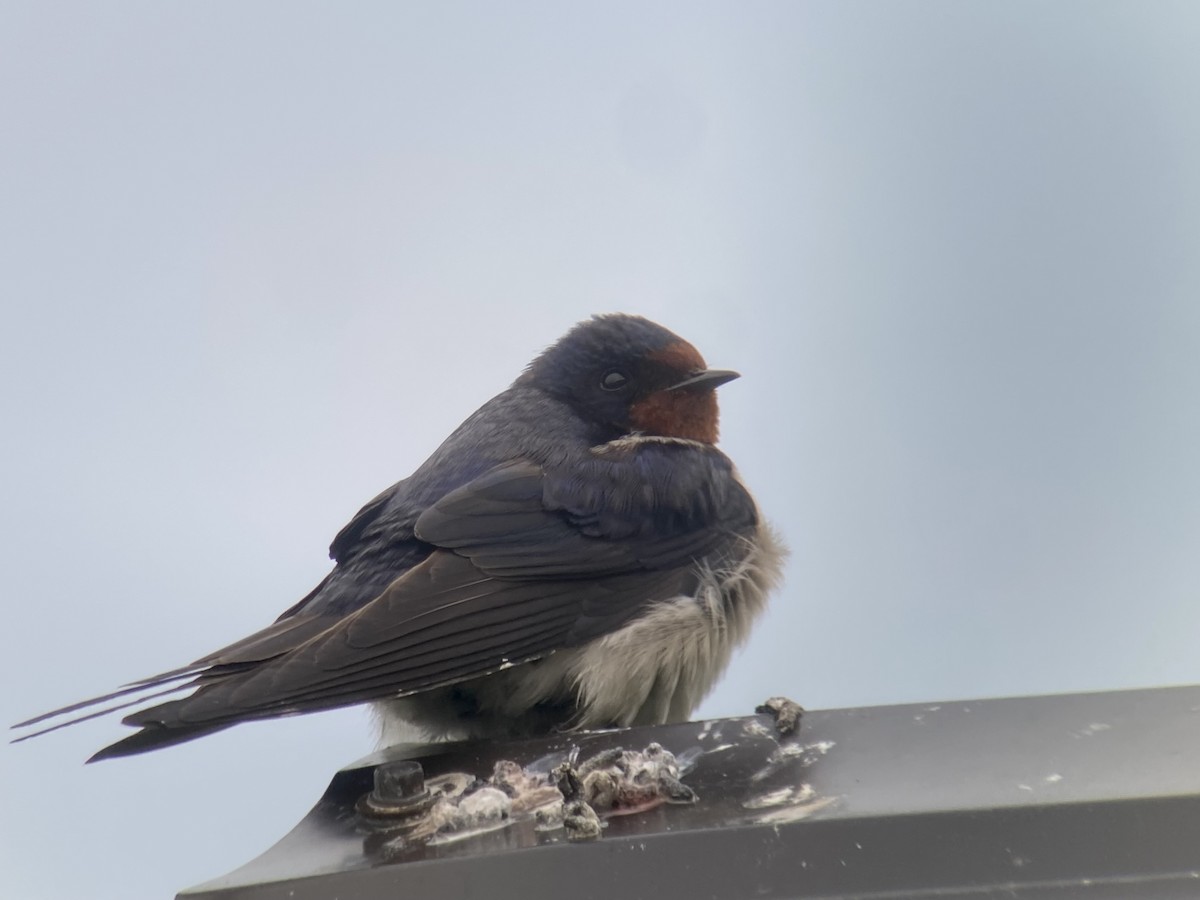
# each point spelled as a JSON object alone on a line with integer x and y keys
{"x": 1085, "y": 794}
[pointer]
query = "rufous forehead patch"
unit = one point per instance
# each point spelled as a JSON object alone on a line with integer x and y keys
{"x": 679, "y": 355}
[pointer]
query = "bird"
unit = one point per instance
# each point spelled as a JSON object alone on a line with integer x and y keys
{"x": 578, "y": 554}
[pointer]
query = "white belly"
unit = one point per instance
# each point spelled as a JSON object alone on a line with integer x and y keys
{"x": 654, "y": 669}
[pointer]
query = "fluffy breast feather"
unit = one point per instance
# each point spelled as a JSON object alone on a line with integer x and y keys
{"x": 655, "y": 669}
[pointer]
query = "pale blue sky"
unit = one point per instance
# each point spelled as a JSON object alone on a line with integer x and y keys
{"x": 259, "y": 258}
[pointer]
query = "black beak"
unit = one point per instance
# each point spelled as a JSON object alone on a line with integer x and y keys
{"x": 709, "y": 379}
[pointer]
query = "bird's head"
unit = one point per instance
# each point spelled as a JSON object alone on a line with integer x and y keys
{"x": 627, "y": 374}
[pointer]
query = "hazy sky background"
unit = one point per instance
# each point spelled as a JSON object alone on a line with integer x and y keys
{"x": 260, "y": 258}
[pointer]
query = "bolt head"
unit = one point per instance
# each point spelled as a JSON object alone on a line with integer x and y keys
{"x": 399, "y": 782}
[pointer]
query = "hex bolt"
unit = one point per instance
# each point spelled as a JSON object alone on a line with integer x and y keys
{"x": 397, "y": 783}
{"x": 399, "y": 791}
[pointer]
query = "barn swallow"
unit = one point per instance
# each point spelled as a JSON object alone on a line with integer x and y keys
{"x": 577, "y": 554}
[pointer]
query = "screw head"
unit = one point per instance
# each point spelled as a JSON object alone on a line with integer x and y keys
{"x": 399, "y": 792}
{"x": 399, "y": 782}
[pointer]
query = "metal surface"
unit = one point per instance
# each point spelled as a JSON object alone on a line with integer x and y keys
{"x": 1093, "y": 795}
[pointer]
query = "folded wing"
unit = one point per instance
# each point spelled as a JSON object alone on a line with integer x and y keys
{"x": 528, "y": 559}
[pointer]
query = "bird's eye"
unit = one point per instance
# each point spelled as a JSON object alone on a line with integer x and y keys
{"x": 614, "y": 380}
